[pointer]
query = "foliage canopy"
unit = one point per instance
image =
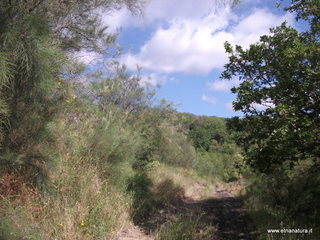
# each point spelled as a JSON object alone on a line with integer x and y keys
{"x": 279, "y": 93}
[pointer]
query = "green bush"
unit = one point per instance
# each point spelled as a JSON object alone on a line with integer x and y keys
{"x": 287, "y": 197}
{"x": 143, "y": 204}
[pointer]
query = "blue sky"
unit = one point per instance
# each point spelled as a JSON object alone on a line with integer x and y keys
{"x": 179, "y": 45}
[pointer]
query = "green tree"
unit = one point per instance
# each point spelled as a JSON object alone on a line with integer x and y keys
{"x": 32, "y": 64}
{"x": 36, "y": 37}
{"x": 279, "y": 93}
{"x": 120, "y": 89}
{"x": 205, "y": 130}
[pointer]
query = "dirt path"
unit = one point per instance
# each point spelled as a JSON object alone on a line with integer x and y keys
{"x": 228, "y": 215}
{"x": 223, "y": 210}
{"x": 133, "y": 233}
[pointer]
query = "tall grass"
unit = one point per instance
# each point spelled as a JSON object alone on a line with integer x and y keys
{"x": 85, "y": 197}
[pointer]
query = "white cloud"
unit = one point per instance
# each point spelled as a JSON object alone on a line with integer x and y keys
{"x": 88, "y": 58}
{"x": 223, "y": 85}
{"x": 153, "y": 80}
{"x": 208, "y": 99}
{"x": 156, "y": 12}
{"x": 131, "y": 61}
{"x": 268, "y": 103}
{"x": 258, "y": 23}
{"x": 190, "y": 9}
{"x": 259, "y": 107}
{"x": 191, "y": 46}
{"x": 188, "y": 37}
{"x": 117, "y": 19}
{"x": 195, "y": 46}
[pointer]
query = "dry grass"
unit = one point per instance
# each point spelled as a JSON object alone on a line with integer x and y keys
{"x": 81, "y": 203}
{"x": 83, "y": 206}
{"x": 193, "y": 186}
